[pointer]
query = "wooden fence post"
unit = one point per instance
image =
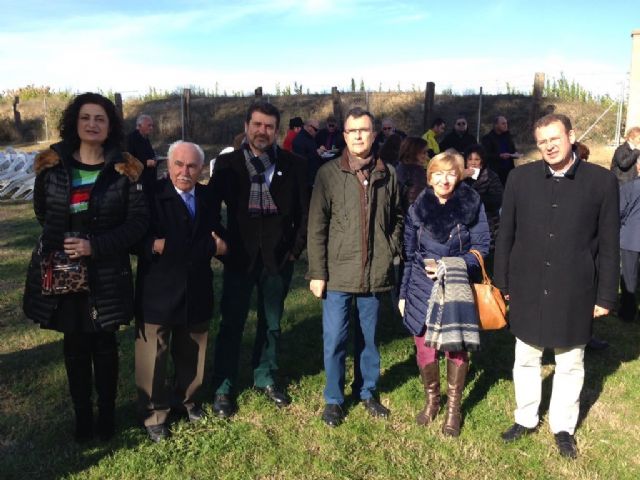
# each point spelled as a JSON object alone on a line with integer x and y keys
{"x": 117, "y": 100}
{"x": 337, "y": 105}
{"x": 536, "y": 98}
{"x": 186, "y": 114}
{"x": 17, "y": 118}
{"x": 429, "y": 98}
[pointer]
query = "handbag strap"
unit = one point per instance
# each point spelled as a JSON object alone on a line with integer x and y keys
{"x": 485, "y": 278}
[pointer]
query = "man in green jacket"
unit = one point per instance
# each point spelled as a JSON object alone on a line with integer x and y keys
{"x": 355, "y": 220}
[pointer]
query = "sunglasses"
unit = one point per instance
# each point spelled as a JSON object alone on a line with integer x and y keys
{"x": 461, "y": 123}
{"x": 314, "y": 128}
{"x": 387, "y": 128}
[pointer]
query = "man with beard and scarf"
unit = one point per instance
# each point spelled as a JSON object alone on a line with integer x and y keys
{"x": 265, "y": 192}
{"x": 355, "y": 220}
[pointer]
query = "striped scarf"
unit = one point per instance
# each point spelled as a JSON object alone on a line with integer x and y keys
{"x": 452, "y": 318}
{"x": 260, "y": 200}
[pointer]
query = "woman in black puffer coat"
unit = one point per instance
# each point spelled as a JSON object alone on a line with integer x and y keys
{"x": 89, "y": 204}
{"x": 487, "y": 183}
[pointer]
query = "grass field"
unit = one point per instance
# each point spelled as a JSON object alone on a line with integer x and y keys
{"x": 262, "y": 442}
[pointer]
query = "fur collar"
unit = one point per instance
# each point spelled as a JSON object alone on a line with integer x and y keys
{"x": 438, "y": 219}
{"x": 47, "y": 159}
{"x": 130, "y": 166}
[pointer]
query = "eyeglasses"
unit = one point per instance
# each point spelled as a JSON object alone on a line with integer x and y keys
{"x": 314, "y": 128}
{"x": 358, "y": 131}
{"x": 331, "y": 125}
{"x": 387, "y": 128}
{"x": 461, "y": 123}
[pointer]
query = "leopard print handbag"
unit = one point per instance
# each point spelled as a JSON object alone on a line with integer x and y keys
{"x": 61, "y": 274}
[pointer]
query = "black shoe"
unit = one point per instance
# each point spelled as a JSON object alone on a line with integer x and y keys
{"x": 222, "y": 406}
{"x": 596, "y": 344}
{"x": 515, "y": 432}
{"x": 157, "y": 433}
{"x": 375, "y": 408}
{"x": 566, "y": 444}
{"x": 281, "y": 399}
{"x": 196, "y": 414}
{"x": 332, "y": 415}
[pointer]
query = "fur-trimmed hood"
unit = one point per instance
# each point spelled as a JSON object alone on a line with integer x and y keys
{"x": 129, "y": 166}
{"x": 439, "y": 219}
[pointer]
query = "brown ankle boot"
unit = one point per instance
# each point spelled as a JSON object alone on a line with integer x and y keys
{"x": 455, "y": 386}
{"x": 430, "y": 375}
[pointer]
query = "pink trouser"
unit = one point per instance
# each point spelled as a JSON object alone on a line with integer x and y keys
{"x": 426, "y": 355}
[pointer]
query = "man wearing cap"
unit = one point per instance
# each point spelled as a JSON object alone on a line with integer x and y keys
{"x": 295, "y": 125}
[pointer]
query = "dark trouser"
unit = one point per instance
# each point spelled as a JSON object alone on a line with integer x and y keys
{"x": 234, "y": 308}
{"x": 188, "y": 345}
{"x": 82, "y": 351}
{"x": 628, "y": 304}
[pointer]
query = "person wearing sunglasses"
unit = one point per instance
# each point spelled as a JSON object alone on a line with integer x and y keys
{"x": 459, "y": 138}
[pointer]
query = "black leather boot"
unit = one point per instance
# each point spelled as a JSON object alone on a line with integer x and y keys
{"x": 77, "y": 363}
{"x": 105, "y": 364}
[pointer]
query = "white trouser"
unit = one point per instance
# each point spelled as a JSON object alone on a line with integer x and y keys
{"x": 564, "y": 407}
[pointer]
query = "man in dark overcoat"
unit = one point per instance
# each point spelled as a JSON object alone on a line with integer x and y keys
{"x": 174, "y": 294}
{"x": 265, "y": 191}
{"x": 139, "y": 145}
{"x": 557, "y": 262}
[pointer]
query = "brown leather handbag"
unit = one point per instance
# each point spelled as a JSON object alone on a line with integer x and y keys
{"x": 492, "y": 310}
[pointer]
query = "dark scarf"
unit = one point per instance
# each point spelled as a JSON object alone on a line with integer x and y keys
{"x": 260, "y": 200}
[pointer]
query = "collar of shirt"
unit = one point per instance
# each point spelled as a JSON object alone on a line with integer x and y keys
{"x": 569, "y": 171}
{"x": 180, "y": 192}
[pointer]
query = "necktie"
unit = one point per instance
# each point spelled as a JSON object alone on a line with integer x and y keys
{"x": 189, "y": 201}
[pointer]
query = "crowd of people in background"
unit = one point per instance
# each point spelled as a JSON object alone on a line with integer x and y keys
{"x": 378, "y": 212}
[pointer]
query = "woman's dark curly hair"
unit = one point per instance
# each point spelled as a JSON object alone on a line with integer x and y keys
{"x": 476, "y": 148}
{"x": 69, "y": 122}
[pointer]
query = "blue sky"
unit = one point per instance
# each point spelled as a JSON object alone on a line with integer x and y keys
{"x": 129, "y": 46}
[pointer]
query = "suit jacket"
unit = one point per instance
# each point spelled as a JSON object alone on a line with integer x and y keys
{"x": 272, "y": 238}
{"x": 176, "y": 288}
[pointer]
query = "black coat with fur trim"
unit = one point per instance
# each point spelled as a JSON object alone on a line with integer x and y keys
{"x": 435, "y": 230}
{"x": 118, "y": 219}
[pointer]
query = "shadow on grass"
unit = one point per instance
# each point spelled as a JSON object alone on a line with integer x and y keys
{"x": 37, "y": 434}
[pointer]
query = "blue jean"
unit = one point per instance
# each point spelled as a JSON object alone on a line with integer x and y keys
{"x": 335, "y": 328}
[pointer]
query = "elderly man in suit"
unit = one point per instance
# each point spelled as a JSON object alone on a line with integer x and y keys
{"x": 174, "y": 294}
{"x": 557, "y": 261}
{"x": 264, "y": 189}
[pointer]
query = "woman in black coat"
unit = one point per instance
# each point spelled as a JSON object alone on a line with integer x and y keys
{"x": 90, "y": 206}
{"x": 487, "y": 183}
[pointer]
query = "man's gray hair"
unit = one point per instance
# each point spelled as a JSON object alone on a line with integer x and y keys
{"x": 175, "y": 145}
{"x": 141, "y": 118}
